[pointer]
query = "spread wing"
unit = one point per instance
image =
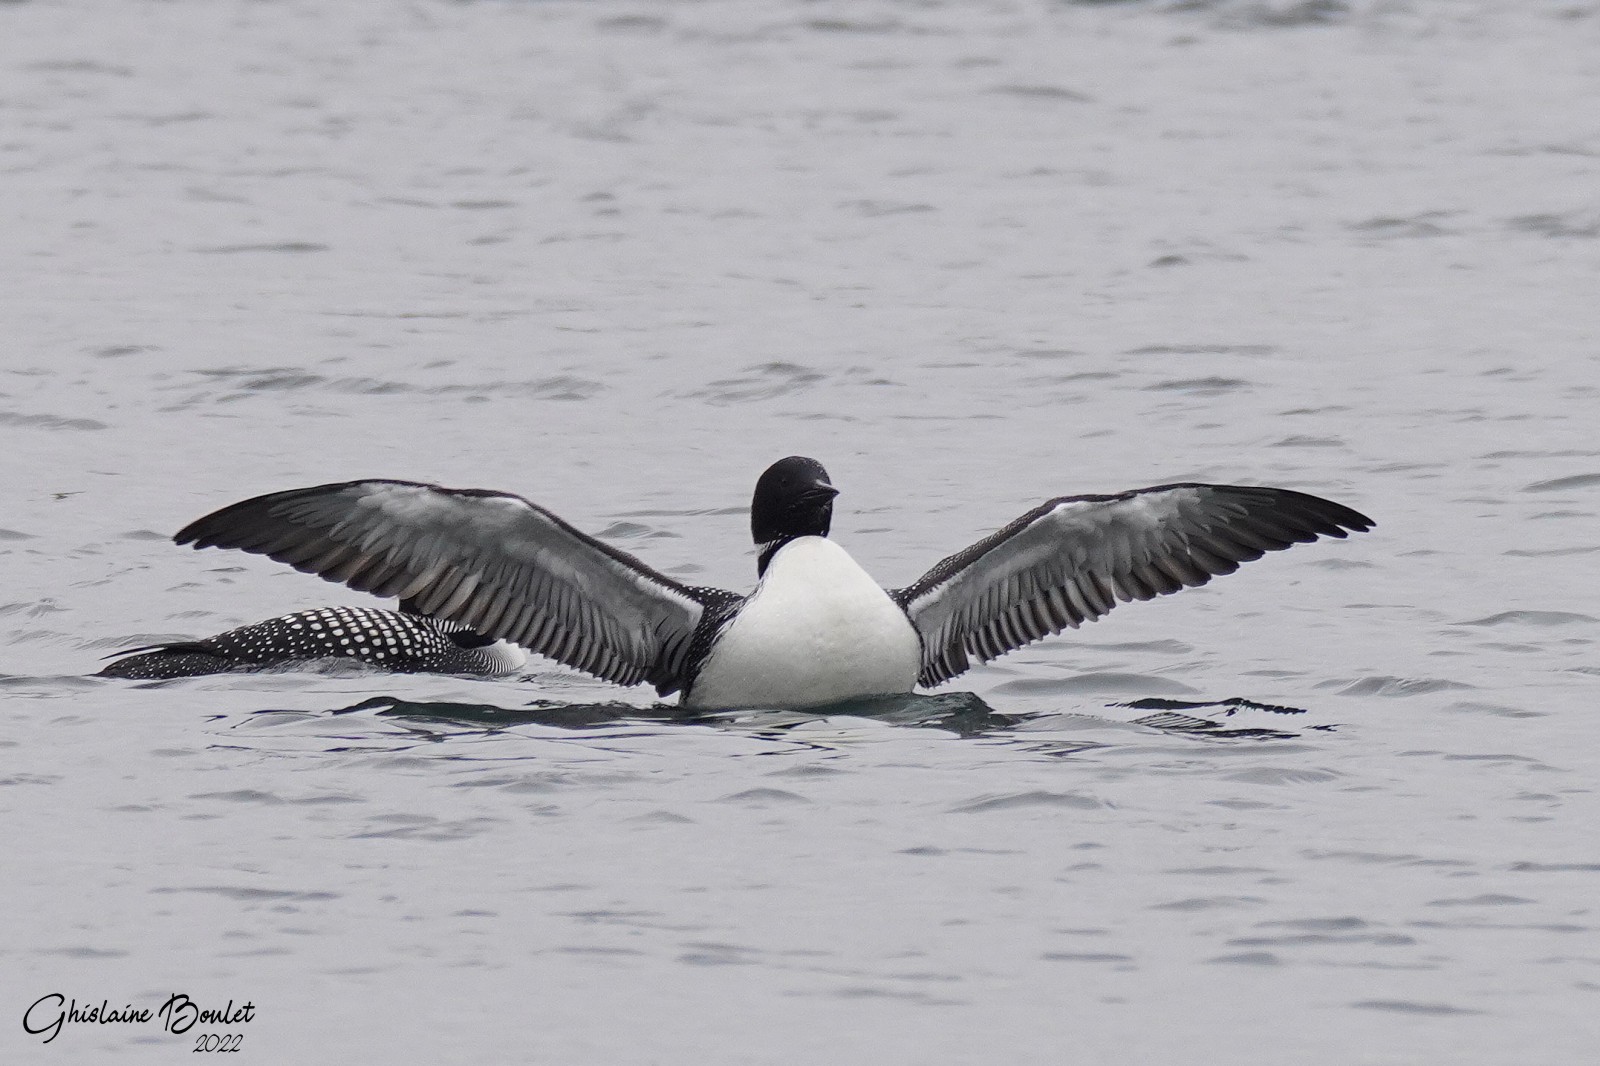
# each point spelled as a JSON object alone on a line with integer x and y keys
{"x": 489, "y": 560}
{"x": 1070, "y": 560}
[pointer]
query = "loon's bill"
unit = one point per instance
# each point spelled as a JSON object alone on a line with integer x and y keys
{"x": 816, "y": 629}
{"x": 398, "y": 641}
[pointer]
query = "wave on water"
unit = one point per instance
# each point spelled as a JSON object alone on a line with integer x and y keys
{"x": 1246, "y": 14}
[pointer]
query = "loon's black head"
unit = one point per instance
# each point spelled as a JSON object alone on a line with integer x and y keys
{"x": 793, "y": 499}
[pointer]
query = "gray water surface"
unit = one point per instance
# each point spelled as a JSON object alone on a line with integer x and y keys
{"x": 618, "y": 257}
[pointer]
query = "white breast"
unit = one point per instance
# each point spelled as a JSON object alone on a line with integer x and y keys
{"x": 817, "y": 630}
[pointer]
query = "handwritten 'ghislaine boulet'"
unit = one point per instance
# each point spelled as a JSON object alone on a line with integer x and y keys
{"x": 816, "y": 630}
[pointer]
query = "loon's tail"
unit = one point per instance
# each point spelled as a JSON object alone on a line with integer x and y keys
{"x": 158, "y": 661}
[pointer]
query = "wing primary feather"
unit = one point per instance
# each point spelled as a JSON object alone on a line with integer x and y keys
{"x": 466, "y": 586}
{"x": 1158, "y": 581}
{"x": 517, "y": 628}
{"x": 495, "y": 610}
{"x": 1040, "y": 622}
{"x": 1251, "y": 535}
{"x": 1182, "y": 570}
{"x": 1134, "y": 577}
{"x": 1076, "y": 601}
{"x": 1229, "y": 548}
{"x": 1279, "y": 527}
{"x": 321, "y": 564}
{"x": 374, "y": 577}
{"x": 1074, "y": 612}
{"x": 1209, "y": 561}
{"x": 431, "y": 598}
{"x": 1010, "y": 635}
{"x": 1096, "y": 592}
{"x": 349, "y": 571}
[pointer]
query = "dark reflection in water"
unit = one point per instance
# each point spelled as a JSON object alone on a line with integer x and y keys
{"x": 964, "y": 714}
{"x": 1170, "y": 717}
{"x": 1230, "y": 706}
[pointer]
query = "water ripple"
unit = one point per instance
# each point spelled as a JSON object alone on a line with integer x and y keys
{"x": 1575, "y": 481}
{"x": 1019, "y": 800}
{"x": 1406, "y": 1006}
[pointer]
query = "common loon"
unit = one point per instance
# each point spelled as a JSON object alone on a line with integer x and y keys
{"x": 403, "y": 641}
{"x": 817, "y": 629}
